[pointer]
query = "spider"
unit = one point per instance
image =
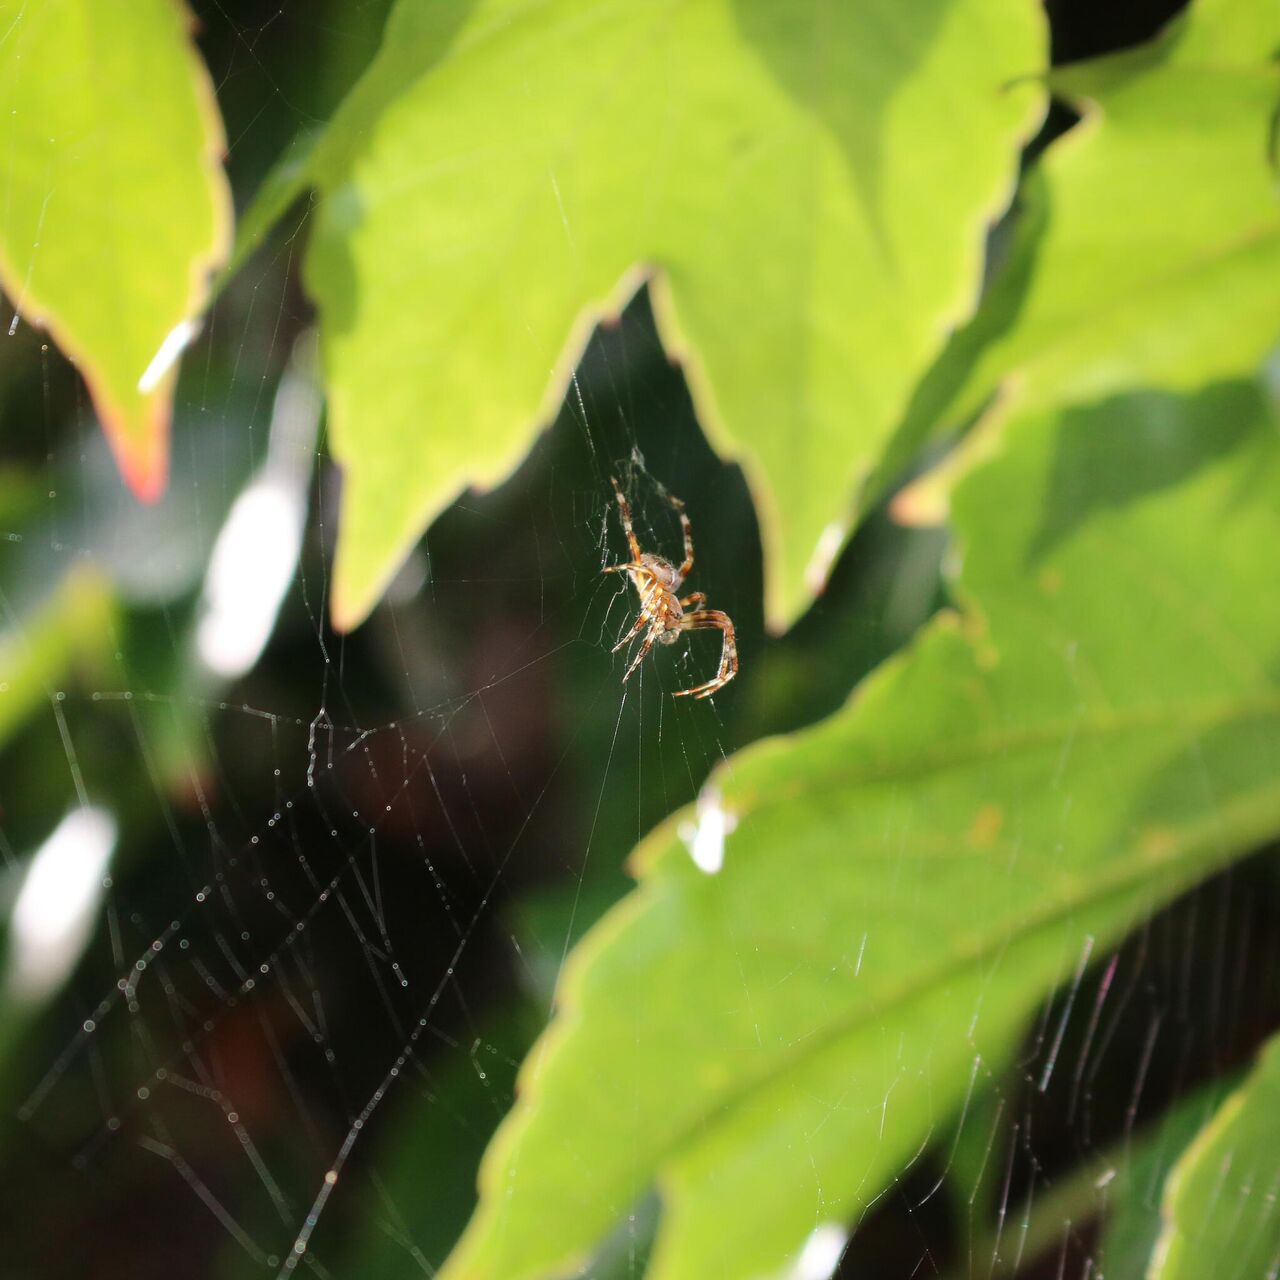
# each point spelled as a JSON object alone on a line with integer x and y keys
{"x": 662, "y": 610}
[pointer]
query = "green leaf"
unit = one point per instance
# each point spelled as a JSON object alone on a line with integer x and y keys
{"x": 1222, "y": 1201}
{"x": 1149, "y": 254}
{"x": 901, "y": 885}
{"x": 72, "y": 627}
{"x": 1120, "y": 1186}
{"x": 1141, "y": 1169}
{"x": 1231, "y": 32}
{"x": 805, "y": 188}
{"x": 113, "y": 205}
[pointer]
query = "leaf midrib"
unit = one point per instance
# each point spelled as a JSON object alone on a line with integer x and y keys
{"x": 1099, "y": 724}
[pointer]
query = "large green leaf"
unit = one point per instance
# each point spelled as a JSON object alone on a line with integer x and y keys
{"x": 806, "y": 188}
{"x": 113, "y": 205}
{"x": 1150, "y": 249}
{"x": 1222, "y": 1201}
{"x": 901, "y": 885}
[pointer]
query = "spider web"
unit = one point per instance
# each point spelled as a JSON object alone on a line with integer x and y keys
{"x": 315, "y": 890}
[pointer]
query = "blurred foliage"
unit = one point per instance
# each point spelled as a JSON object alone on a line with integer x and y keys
{"x": 72, "y": 628}
{"x": 1133, "y": 1226}
{"x": 1220, "y": 1213}
{"x": 981, "y": 953}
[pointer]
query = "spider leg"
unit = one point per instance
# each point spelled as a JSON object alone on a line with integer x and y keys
{"x": 648, "y": 609}
{"x": 625, "y": 508}
{"x": 687, "y": 529}
{"x": 644, "y": 620}
{"x": 697, "y": 598}
{"x": 706, "y": 620}
{"x": 655, "y": 630}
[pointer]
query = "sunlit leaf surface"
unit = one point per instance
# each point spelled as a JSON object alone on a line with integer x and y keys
{"x": 1222, "y": 1201}
{"x": 902, "y": 884}
{"x": 113, "y": 204}
{"x": 1150, "y": 253}
{"x": 805, "y": 186}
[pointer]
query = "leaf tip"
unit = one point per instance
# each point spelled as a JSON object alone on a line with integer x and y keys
{"x": 348, "y": 607}
{"x": 359, "y": 583}
{"x": 147, "y": 479}
{"x": 140, "y": 443}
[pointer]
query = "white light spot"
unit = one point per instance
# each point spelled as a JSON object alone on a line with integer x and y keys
{"x": 249, "y": 572}
{"x": 705, "y": 838}
{"x": 256, "y": 552}
{"x": 56, "y": 906}
{"x": 820, "y": 1255}
{"x": 175, "y": 343}
{"x": 824, "y": 555}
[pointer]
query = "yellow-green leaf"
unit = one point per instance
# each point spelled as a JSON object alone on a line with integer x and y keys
{"x": 1150, "y": 254}
{"x": 806, "y": 187}
{"x": 113, "y": 205}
